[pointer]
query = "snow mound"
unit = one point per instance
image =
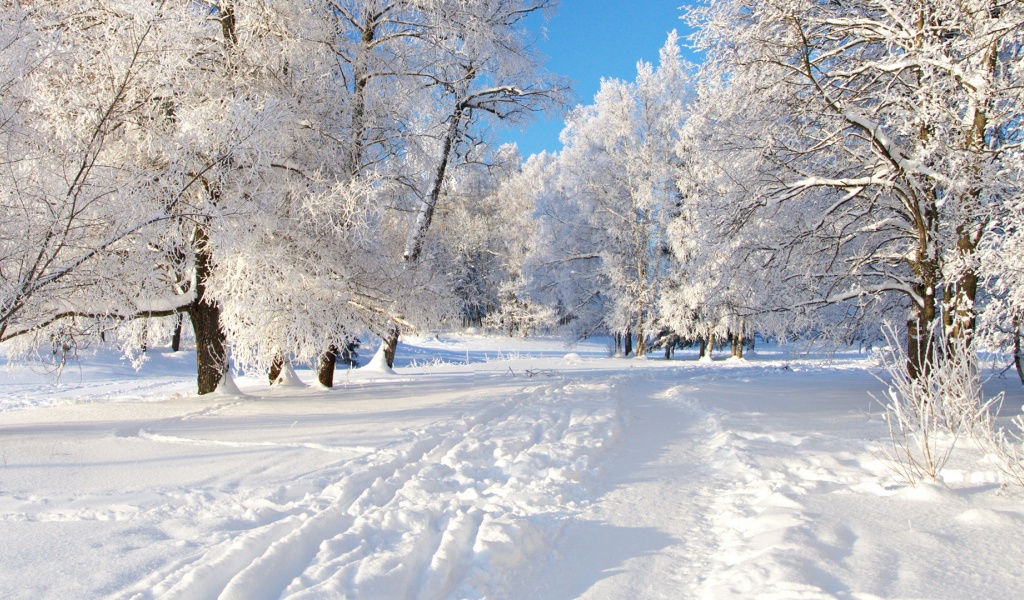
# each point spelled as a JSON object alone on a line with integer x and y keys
{"x": 572, "y": 358}
{"x": 288, "y": 378}
{"x": 378, "y": 364}
{"x": 227, "y": 388}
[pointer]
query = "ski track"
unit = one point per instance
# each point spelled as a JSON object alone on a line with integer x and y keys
{"x": 517, "y": 498}
{"x": 648, "y": 534}
{"x": 452, "y": 512}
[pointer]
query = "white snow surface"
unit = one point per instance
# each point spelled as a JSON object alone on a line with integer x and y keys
{"x": 488, "y": 468}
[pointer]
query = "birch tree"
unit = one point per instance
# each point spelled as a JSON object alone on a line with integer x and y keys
{"x": 485, "y": 67}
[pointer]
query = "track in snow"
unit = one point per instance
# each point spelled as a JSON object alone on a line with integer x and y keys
{"x": 453, "y": 511}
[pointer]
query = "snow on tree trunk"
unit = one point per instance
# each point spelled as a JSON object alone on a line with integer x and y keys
{"x": 275, "y": 369}
{"x": 414, "y": 246}
{"x": 391, "y": 346}
{"x": 1017, "y": 349}
{"x": 739, "y": 339}
{"x": 641, "y": 339}
{"x": 920, "y": 329}
{"x": 325, "y": 372}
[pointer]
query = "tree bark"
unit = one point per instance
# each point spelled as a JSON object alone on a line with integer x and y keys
{"x": 641, "y": 340}
{"x": 275, "y": 369}
{"x": 176, "y": 336}
{"x": 391, "y": 346}
{"x": 414, "y": 246}
{"x": 325, "y": 373}
{"x": 920, "y": 343}
{"x": 1017, "y": 350}
{"x": 211, "y": 357}
{"x": 627, "y": 341}
{"x": 738, "y": 339}
{"x": 959, "y": 316}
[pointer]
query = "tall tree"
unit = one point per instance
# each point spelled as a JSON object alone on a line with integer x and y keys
{"x": 485, "y": 66}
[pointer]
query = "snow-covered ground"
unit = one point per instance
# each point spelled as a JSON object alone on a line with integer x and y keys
{"x": 487, "y": 468}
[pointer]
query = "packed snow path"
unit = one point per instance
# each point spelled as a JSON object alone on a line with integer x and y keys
{"x": 593, "y": 478}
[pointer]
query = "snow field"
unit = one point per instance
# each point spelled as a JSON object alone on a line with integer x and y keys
{"x": 814, "y": 513}
{"x": 458, "y": 475}
{"x": 451, "y": 512}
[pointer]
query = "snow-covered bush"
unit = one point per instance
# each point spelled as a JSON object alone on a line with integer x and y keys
{"x": 1007, "y": 447}
{"x": 929, "y": 411}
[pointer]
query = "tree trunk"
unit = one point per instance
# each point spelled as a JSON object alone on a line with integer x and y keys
{"x": 711, "y": 345}
{"x": 920, "y": 346}
{"x": 176, "y": 336}
{"x": 425, "y": 215}
{"x": 211, "y": 354}
{"x": 211, "y": 357}
{"x": 391, "y": 346}
{"x": 1016, "y": 349}
{"x": 275, "y": 369}
{"x": 361, "y": 78}
{"x": 641, "y": 341}
{"x": 703, "y": 347}
{"x": 959, "y": 315}
{"x": 738, "y": 339}
{"x": 618, "y": 343}
{"x": 325, "y": 373}
{"x": 627, "y": 343}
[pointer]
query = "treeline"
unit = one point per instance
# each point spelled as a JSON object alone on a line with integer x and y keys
{"x": 830, "y": 166}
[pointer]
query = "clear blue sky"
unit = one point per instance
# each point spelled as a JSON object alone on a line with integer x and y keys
{"x": 590, "y": 39}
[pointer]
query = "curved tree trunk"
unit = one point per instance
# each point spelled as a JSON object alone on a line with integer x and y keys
{"x": 414, "y": 245}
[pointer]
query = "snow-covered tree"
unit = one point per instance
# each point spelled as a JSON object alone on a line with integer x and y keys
{"x": 619, "y": 172}
{"x": 83, "y": 190}
{"x": 885, "y": 128}
{"x": 485, "y": 68}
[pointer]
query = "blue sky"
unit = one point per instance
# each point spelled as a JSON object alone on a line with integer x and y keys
{"x": 590, "y": 39}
